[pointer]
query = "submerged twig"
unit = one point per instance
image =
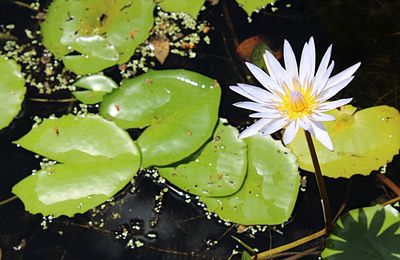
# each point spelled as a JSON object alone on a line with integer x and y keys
{"x": 230, "y": 24}
{"x": 246, "y": 246}
{"x": 21, "y": 4}
{"x": 3, "y": 202}
{"x": 321, "y": 185}
{"x": 298, "y": 255}
{"x": 392, "y": 201}
{"x": 268, "y": 254}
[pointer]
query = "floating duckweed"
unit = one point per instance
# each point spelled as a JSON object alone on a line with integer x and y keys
{"x": 35, "y": 5}
{"x": 303, "y": 183}
{"x": 151, "y": 235}
{"x": 10, "y": 26}
{"x": 211, "y": 242}
{"x": 41, "y": 70}
{"x": 159, "y": 200}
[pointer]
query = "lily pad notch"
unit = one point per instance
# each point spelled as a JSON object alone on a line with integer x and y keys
{"x": 95, "y": 160}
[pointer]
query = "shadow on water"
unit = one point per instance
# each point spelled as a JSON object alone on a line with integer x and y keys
{"x": 176, "y": 227}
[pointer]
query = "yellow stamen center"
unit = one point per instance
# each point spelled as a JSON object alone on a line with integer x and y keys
{"x": 298, "y": 102}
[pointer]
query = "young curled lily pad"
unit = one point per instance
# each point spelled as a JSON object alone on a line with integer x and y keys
{"x": 95, "y": 159}
{"x": 366, "y": 233}
{"x": 12, "y": 90}
{"x": 191, "y": 7}
{"x": 178, "y": 107}
{"x": 97, "y": 86}
{"x": 363, "y": 140}
{"x": 269, "y": 192}
{"x": 218, "y": 169}
{"x": 103, "y": 32}
{"x": 251, "y": 6}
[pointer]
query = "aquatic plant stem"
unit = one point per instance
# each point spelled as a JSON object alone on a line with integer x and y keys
{"x": 3, "y": 202}
{"x": 268, "y": 254}
{"x": 388, "y": 182}
{"x": 321, "y": 185}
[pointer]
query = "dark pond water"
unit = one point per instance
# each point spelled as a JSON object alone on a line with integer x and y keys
{"x": 366, "y": 31}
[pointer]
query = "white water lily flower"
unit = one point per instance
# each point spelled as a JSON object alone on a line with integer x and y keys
{"x": 294, "y": 98}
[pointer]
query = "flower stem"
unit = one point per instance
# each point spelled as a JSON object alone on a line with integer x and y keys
{"x": 321, "y": 185}
{"x": 3, "y": 202}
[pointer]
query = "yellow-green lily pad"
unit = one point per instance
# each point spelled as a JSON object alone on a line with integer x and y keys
{"x": 191, "y": 7}
{"x": 363, "y": 140}
{"x": 218, "y": 169}
{"x": 103, "y": 32}
{"x": 251, "y": 6}
{"x": 97, "y": 86}
{"x": 12, "y": 90}
{"x": 178, "y": 107}
{"x": 269, "y": 192}
{"x": 96, "y": 159}
{"x": 366, "y": 233}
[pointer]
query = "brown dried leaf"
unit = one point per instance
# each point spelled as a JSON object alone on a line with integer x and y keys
{"x": 161, "y": 47}
{"x": 247, "y": 46}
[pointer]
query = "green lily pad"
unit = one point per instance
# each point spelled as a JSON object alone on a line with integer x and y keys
{"x": 363, "y": 141}
{"x": 103, "y": 32}
{"x": 191, "y": 7}
{"x": 269, "y": 192}
{"x": 96, "y": 160}
{"x": 366, "y": 233}
{"x": 257, "y": 55}
{"x": 178, "y": 107}
{"x": 251, "y": 6}
{"x": 12, "y": 89}
{"x": 245, "y": 256}
{"x": 218, "y": 169}
{"x": 97, "y": 85}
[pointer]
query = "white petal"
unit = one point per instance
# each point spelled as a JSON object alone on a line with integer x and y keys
{"x": 322, "y": 68}
{"x": 270, "y": 115}
{"x": 273, "y": 126}
{"x": 334, "y": 104}
{"x": 318, "y": 130}
{"x": 260, "y": 93}
{"x": 322, "y": 117}
{"x": 304, "y": 123}
{"x": 311, "y": 48}
{"x": 252, "y": 92}
{"x": 252, "y": 106}
{"x": 320, "y": 85}
{"x": 304, "y": 63}
{"x": 290, "y": 61}
{"x": 274, "y": 68}
{"x": 264, "y": 79}
{"x": 347, "y": 73}
{"x": 327, "y": 93}
{"x": 254, "y": 128}
{"x": 290, "y": 132}
{"x": 246, "y": 94}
